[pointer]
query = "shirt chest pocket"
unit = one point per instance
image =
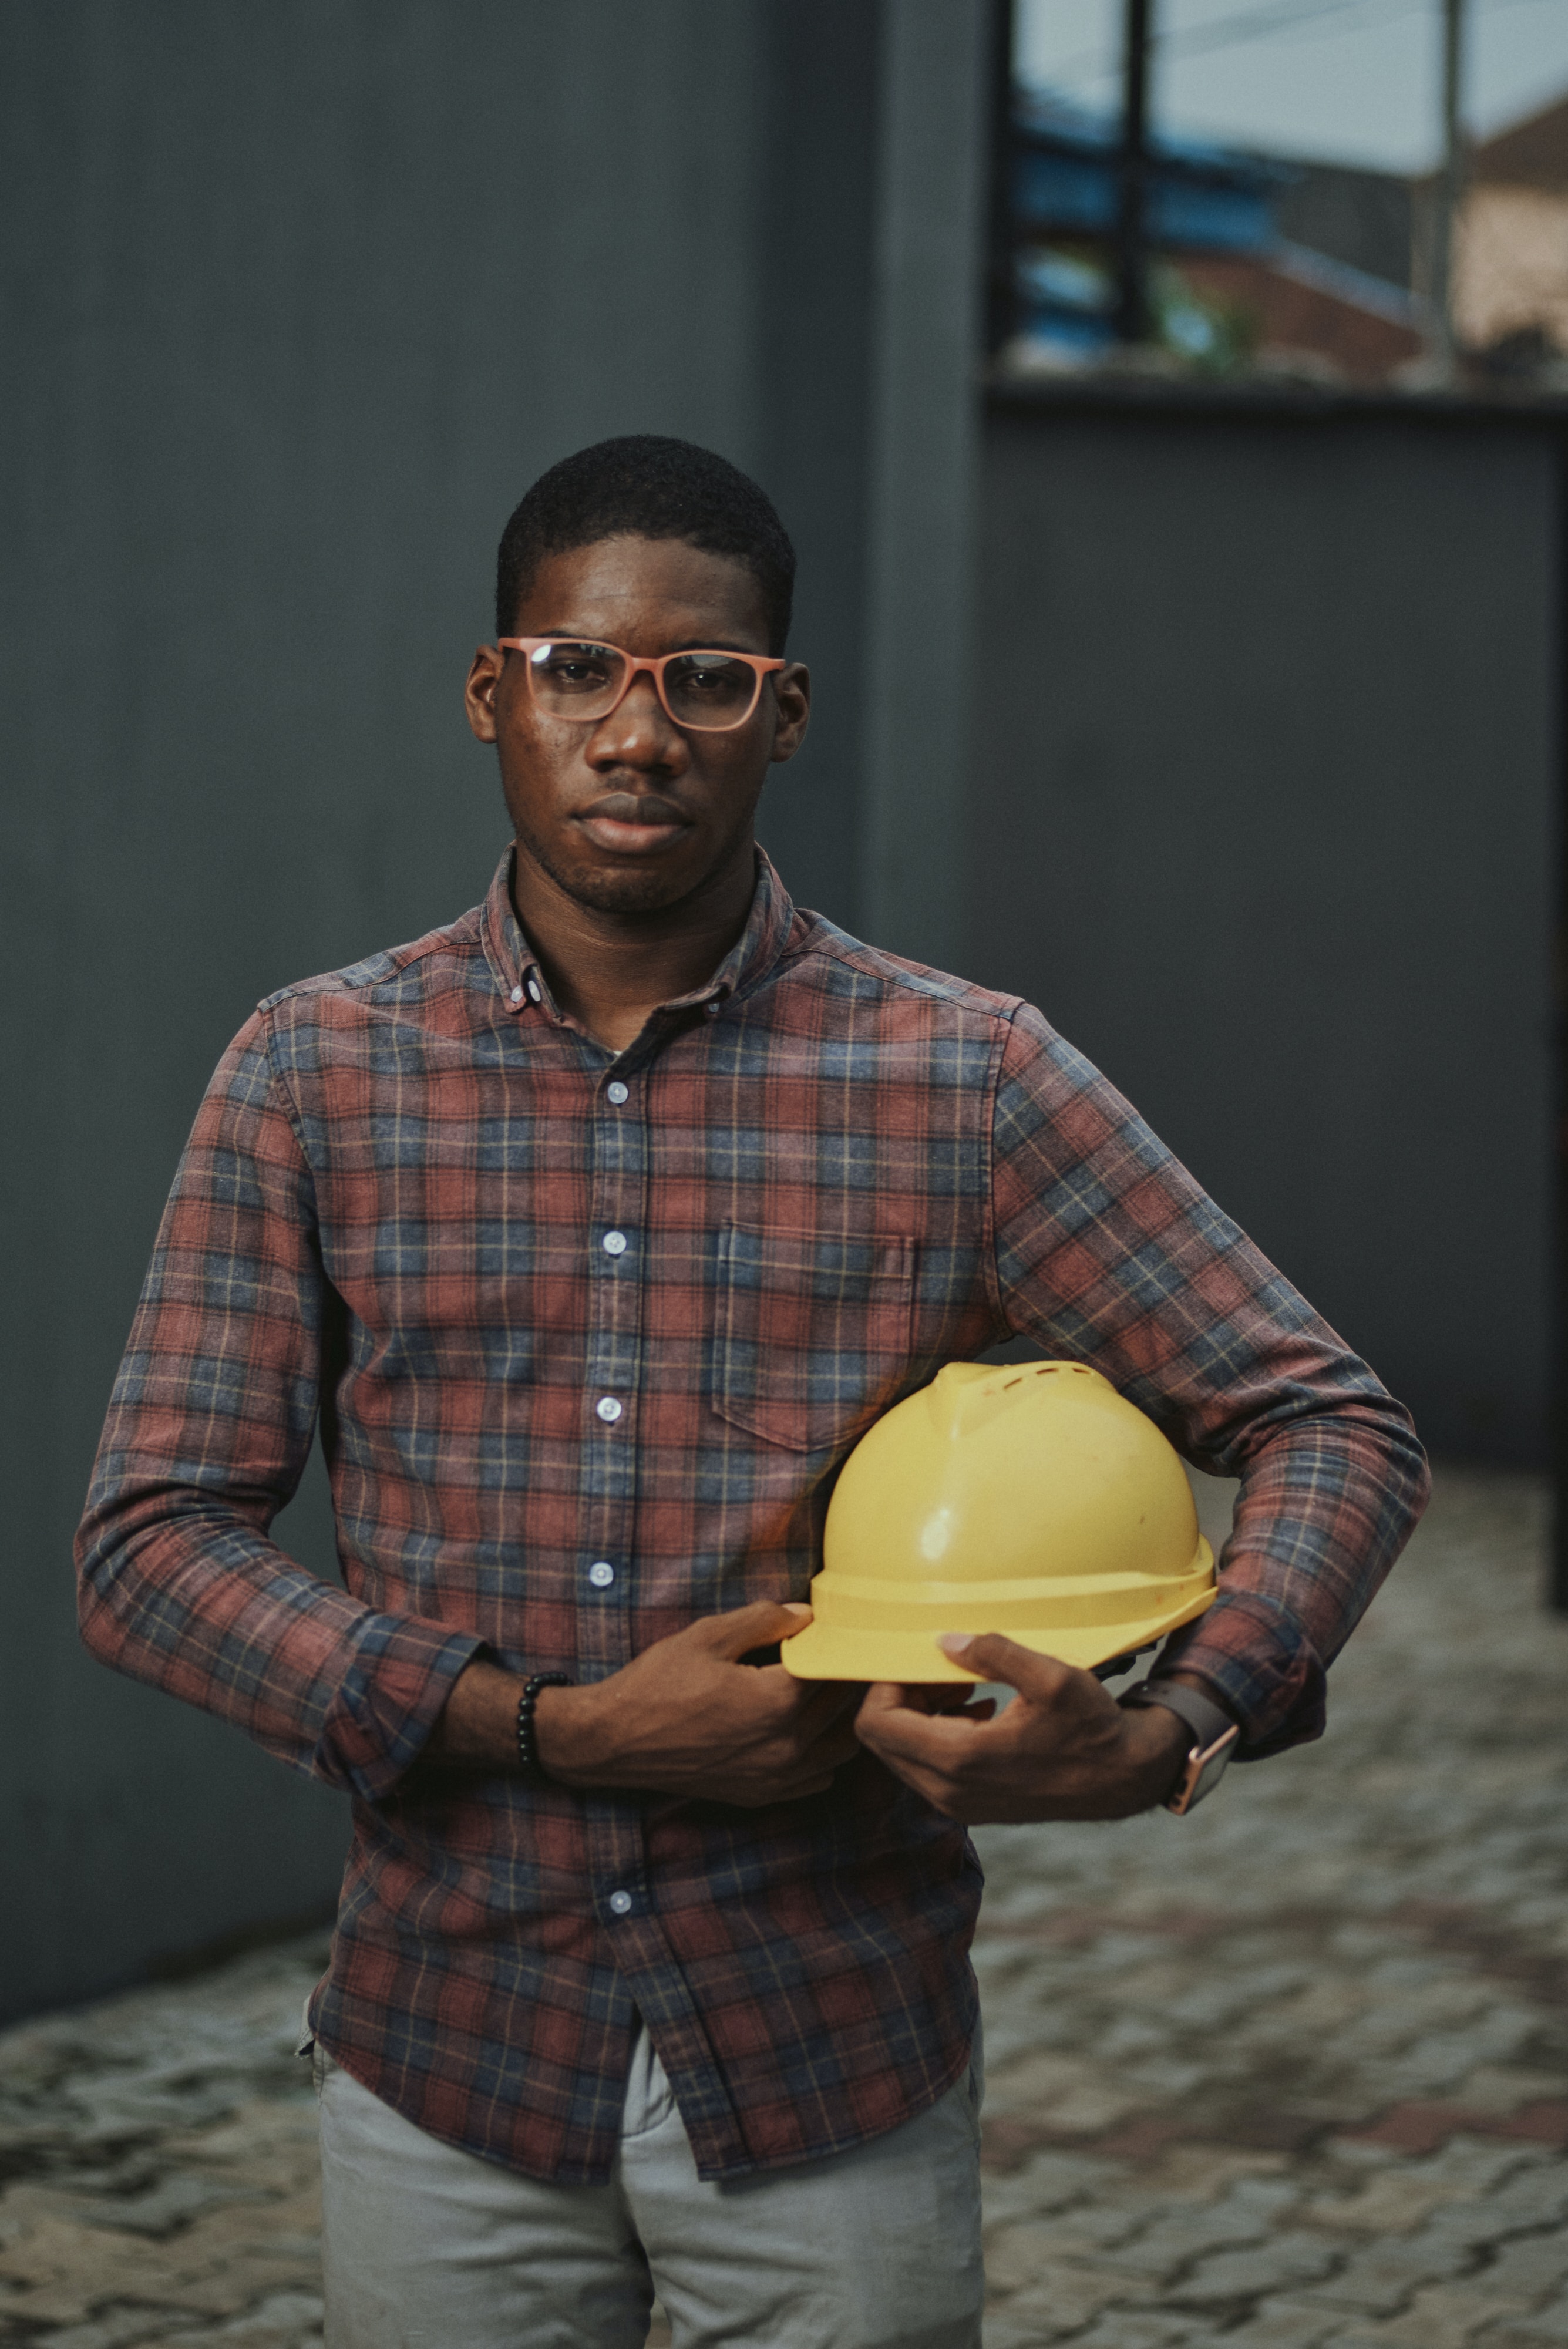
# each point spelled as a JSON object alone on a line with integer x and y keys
{"x": 811, "y": 1334}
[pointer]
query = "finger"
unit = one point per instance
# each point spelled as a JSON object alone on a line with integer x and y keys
{"x": 947, "y": 1696}
{"x": 810, "y": 1705}
{"x": 826, "y": 1698}
{"x": 955, "y": 1698}
{"x": 813, "y": 1731}
{"x": 757, "y": 1626}
{"x": 941, "y": 1741}
{"x": 884, "y": 1696}
{"x": 993, "y": 1657}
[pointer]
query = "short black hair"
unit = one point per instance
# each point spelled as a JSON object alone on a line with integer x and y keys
{"x": 643, "y": 485}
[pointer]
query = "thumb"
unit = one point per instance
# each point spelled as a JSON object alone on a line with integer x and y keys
{"x": 756, "y": 1626}
{"x": 991, "y": 1656}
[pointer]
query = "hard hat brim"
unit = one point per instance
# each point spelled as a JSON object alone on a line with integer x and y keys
{"x": 830, "y": 1651}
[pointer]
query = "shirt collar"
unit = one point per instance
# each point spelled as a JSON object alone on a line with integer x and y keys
{"x": 515, "y": 967}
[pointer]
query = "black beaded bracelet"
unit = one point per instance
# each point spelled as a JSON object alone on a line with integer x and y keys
{"x": 527, "y": 1743}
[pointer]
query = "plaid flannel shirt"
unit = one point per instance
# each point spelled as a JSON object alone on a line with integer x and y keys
{"x": 588, "y": 1336}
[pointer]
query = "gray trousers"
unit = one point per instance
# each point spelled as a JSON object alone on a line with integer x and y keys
{"x": 426, "y": 2247}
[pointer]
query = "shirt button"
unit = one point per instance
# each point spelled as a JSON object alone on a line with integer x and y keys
{"x": 620, "y": 1903}
{"x": 608, "y": 1408}
{"x": 517, "y": 996}
{"x": 601, "y": 1574}
{"x": 712, "y": 1010}
{"x": 534, "y": 995}
{"x": 616, "y": 1091}
{"x": 615, "y": 1244}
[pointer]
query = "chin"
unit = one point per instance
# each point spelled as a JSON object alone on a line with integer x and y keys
{"x": 640, "y": 886}
{"x": 627, "y": 893}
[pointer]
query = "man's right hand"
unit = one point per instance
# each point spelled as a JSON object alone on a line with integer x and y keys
{"x": 686, "y": 1717}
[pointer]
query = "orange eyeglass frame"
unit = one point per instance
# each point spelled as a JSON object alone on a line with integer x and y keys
{"x": 656, "y": 667}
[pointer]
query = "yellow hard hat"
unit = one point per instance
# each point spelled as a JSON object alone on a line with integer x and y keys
{"x": 1025, "y": 1497}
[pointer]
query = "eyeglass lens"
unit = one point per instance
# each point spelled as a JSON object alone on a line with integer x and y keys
{"x": 585, "y": 680}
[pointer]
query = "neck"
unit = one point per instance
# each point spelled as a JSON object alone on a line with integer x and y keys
{"x": 611, "y": 969}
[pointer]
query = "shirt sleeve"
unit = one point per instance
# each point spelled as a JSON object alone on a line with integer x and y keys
{"x": 208, "y": 1431}
{"x": 1107, "y": 1251}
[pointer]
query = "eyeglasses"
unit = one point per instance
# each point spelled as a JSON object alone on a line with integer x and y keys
{"x": 703, "y": 692}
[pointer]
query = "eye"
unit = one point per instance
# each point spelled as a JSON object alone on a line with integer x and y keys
{"x": 710, "y": 674}
{"x": 569, "y": 666}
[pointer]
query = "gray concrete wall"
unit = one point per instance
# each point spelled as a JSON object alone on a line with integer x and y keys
{"x": 298, "y": 300}
{"x": 1264, "y": 818}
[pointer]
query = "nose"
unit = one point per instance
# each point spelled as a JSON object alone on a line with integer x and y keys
{"x": 639, "y": 732}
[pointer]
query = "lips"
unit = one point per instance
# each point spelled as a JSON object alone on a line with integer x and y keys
{"x": 629, "y": 824}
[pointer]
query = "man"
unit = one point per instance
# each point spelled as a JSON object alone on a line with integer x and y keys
{"x": 595, "y": 1229}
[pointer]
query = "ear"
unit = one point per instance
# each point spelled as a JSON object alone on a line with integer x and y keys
{"x": 791, "y": 692}
{"x": 485, "y": 674}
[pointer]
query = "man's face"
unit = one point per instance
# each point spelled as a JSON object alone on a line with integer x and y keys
{"x": 630, "y": 813}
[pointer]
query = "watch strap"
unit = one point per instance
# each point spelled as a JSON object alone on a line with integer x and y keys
{"x": 1205, "y": 1720}
{"x": 1214, "y": 1734}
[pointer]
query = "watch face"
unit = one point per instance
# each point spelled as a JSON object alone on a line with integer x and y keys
{"x": 1205, "y": 1768}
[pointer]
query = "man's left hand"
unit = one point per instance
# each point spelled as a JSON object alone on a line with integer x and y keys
{"x": 1063, "y": 1749}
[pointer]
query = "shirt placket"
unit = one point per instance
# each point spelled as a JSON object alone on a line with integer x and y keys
{"x": 624, "y": 1897}
{"x": 617, "y": 1271}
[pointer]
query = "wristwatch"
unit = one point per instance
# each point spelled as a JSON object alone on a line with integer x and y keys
{"x": 1214, "y": 1735}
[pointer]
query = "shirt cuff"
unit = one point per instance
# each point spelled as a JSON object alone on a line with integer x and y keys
{"x": 389, "y": 1701}
{"x": 1255, "y": 1660}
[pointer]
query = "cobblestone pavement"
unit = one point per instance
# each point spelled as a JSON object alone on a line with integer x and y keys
{"x": 1292, "y": 2072}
